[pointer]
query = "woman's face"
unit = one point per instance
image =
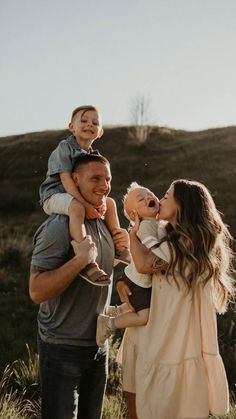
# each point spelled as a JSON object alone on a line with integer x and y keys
{"x": 168, "y": 207}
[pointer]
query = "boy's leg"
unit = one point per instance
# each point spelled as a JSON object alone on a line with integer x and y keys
{"x": 92, "y": 273}
{"x": 112, "y": 222}
{"x": 76, "y": 214}
{"x": 111, "y": 216}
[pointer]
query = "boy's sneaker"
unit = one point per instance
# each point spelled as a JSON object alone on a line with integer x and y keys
{"x": 94, "y": 275}
{"x": 123, "y": 257}
{"x": 103, "y": 329}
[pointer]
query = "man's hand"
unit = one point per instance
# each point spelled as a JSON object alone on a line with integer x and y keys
{"x": 86, "y": 251}
{"x": 124, "y": 293}
{"x": 91, "y": 212}
{"x": 121, "y": 239}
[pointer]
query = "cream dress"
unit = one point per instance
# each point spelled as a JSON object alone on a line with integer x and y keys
{"x": 173, "y": 363}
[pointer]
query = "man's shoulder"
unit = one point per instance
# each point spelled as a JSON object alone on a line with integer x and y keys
{"x": 55, "y": 225}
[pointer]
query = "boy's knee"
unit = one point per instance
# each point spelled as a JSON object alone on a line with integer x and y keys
{"x": 76, "y": 208}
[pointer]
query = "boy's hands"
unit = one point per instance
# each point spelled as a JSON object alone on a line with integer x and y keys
{"x": 121, "y": 239}
{"x": 102, "y": 209}
{"x": 90, "y": 211}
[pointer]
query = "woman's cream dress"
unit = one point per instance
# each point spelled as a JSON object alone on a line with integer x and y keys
{"x": 173, "y": 363}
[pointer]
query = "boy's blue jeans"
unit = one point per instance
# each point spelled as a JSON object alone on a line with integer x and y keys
{"x": 73, "y": 380}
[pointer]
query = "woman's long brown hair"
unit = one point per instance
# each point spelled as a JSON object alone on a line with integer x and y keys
{"x": 200, "y": 244}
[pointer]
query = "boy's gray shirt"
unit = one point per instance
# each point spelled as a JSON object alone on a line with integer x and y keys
{"x": 62, "y": 159}
{"x": 71, "y": 317}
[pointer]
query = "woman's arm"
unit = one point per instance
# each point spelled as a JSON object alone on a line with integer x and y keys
{"x": 145, "y": 260}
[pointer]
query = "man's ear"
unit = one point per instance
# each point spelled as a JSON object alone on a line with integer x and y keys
{"x": 75, "y": 177}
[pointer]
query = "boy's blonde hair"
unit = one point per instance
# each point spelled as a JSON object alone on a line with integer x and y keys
{"x": 84, "y": 108}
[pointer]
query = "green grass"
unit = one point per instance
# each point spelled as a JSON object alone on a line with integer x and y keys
{"x": 20, "y": 397}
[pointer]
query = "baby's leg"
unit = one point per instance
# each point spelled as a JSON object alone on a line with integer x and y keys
{"x": 132, "y": 319}
{"x": 106, "y": 325}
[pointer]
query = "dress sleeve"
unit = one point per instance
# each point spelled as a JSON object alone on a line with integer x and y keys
{"x": 60, "y": 159}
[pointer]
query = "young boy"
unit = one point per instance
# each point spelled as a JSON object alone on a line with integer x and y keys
{"x": 146, "y": 205}
{"x": 59, "y": 194}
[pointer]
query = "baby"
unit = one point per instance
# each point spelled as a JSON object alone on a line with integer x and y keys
{"x": 145, "y": 204}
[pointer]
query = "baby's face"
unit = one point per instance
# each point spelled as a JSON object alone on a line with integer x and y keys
{"x": 143, "y": 201}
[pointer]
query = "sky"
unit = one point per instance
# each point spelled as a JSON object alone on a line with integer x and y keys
{"x": 59, "y": 54}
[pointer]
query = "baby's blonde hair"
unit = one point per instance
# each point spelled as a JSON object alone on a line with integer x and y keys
{"x": 132, "y": 187}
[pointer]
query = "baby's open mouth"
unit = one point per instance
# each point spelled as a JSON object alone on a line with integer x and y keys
{"x": 152, "y": 203}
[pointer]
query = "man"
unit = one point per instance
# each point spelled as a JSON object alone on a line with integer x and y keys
{"x": 71, "y": 364}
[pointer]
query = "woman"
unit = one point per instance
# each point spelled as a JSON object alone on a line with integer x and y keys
{"x": 172, "y": 365}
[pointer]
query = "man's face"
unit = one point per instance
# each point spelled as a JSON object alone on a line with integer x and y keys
{"x": 94, "y": 182}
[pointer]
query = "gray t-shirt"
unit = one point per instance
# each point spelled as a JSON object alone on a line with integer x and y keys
{"x": 71, "y": 317}
{"x": 62, "y": 159}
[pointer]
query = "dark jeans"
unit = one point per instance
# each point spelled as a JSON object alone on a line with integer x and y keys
{"x": 73, "y": 380}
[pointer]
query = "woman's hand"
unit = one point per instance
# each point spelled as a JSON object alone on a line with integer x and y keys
{"x": 136, "y": 221}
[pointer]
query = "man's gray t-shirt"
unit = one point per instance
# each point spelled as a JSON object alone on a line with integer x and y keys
{"x": 71, "y": 317}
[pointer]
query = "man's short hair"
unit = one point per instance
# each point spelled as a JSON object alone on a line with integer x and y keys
{"x": 85, "y": 159}
{"x": 84, "y": 108}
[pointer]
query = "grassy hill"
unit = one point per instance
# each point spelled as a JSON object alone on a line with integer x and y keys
{"x": 208, "y": 156}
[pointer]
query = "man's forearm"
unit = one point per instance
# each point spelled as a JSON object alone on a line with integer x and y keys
{"x": 49, "y": 284}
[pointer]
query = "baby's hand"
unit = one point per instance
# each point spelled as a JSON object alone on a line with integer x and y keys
{"x": 90, "y": 212}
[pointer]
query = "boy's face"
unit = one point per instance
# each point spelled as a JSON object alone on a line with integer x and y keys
{"x": 86, "y": 126}
{"x": 143, "y": 201}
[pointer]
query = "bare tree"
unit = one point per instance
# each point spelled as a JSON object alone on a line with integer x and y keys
{"x": 140, "y": 128}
